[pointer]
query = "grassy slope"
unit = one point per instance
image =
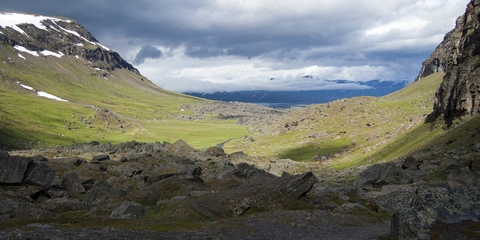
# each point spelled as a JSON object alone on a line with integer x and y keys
{"x": 145, "y": 112}
{"x": 352, "y": 131}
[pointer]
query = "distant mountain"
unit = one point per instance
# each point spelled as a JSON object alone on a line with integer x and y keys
{"x": 287, "y": 99}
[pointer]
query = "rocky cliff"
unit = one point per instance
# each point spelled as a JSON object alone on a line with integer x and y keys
{"x": 60, "y": 36}
{"x": 457, "y": 55}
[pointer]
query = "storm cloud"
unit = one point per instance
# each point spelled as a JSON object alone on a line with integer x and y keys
{"x": 146, "y": 52}
{"x": 231, "y": 45}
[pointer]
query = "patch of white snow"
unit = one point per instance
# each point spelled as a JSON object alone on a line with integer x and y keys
{"x": 77, "y": 56}
{"x": 50, "y": 53}
{"x": 50, "y": 96}
{"x": 23, "y": 49}
{"x": 22, "y": 57}
{"x": 43, "y": 94}
{"x": 98, "y": 69}
{"x": 26, "y": 87}
{"x": 79, "y": 44}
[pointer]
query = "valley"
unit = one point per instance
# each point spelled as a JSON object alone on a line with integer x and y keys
{"x": 90, "y": 148}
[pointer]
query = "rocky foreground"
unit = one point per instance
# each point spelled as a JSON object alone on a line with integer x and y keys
{"x": 163, "y": 191}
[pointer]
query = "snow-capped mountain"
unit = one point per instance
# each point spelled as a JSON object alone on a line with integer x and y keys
{"x": 37, "y": 35}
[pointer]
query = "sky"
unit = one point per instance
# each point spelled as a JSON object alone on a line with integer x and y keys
{"x": 232, "y": 45}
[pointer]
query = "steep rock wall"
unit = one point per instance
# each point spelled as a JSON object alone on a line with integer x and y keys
{"x": 458, "y": 56}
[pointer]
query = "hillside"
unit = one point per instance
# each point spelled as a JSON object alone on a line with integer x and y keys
{"x": 106, "y": 99}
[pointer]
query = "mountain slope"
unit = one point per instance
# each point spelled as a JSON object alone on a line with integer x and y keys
{"x": 106, "y": 98}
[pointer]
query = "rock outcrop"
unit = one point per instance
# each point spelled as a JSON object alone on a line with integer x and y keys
{"x": 458, "y": 55}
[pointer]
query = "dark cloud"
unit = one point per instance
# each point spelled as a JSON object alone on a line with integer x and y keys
{"x": 146, "y": 52}
{"x": 397, "y": 35}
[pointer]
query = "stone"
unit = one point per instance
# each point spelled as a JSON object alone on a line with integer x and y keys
{"x": 101, "y": 157}
{"x": 243, "y": 206}
{"x": 39, "y": 174}
{"x": 72, "y": 183}
{"x": 102, "y": 193}
{"x": 215, "y": 151}
{"x": 410, "y": 162}
{"x": 379, "y": 175}
{"x": 461, "y": 178}
{"x": 300, "y": 185}
{"x": 413, "y": 218}
{"x": 127, "y": 210}
{"x": 244, "y": 170}
{"x": 13, "y": 168}
{"x": 191, "y": 170}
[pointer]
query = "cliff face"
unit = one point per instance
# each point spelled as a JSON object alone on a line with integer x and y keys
{"x": 59, "y": 35}
{"x": 458, "y": 56}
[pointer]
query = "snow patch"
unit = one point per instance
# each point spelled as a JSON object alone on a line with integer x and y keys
{"x": 1, "y": 32}
{"x": 43, "y": 94}
{"x": 23, "y": 49}
{"x": 50, "y": 53}
{"x": 22, "y": 57}
{"x": 13, "y": 19}
{"x": 79, "y": 44}
{"x": 77, "y": 56}
{"x": 98, "y": 69}
{"x": 50, "y": 96}
{"x": 27, "y": 87}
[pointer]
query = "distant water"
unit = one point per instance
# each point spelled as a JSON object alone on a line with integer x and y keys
{"x": 288, "y": 99}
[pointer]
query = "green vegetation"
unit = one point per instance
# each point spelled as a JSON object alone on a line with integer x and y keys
{"x": 105, "y": 106}
{"x": 361, "y": 130}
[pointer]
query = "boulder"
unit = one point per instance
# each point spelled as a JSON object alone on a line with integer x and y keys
{"x": 242, "y": 206}
{"x": 102, "y": 194}
{"x": 410, "y": 162}
{"x": 215, "y": 151}
{"x": 72, "y": 183}
{"x": 101, "y": 157}
{"x": 39, "y": 174}
{"x": 300, "y": 185}
{"x": 460, "y": 178}
{"x": 379, "y": 175}
{"x": 245, "y": 170}
{"x": 127, "y": 210}
{"x": 13, "y": 168}
{"x": 413, "y": 218}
